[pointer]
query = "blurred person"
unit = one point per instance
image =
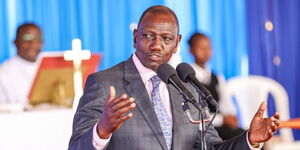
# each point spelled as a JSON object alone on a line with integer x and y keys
{"x": 17, "y": 73}
{"x": 226, "y": 123}
{"x": 127, "y": 107}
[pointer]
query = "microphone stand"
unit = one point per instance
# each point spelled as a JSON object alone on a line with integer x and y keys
{"x": 199, "y": 107}
{"x": 202, "y": 120}
{"x": 206, "y": 95}
{"x": 204, "y": 113}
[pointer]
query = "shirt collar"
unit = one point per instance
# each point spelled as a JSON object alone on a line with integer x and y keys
{"x": 145, "y": 72}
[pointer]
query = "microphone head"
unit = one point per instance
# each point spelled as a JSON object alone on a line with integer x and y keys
{"x": 184, "y": 70}
{"x": 165, "y": 71}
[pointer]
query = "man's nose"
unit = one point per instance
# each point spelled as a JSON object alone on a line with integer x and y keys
{"x": 156, "y": 44}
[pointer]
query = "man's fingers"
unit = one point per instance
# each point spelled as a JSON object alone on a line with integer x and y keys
{"x": 274, "y": 127}
{"x": 118, "y": 99}
{"x": 122, "y": 104}
{"x": 120, "y": 112}
{"x": 112, "y": 93}
{"x": 261, "y": 109}
{"x": 277, "y": 122}
{"x": 270, "y": 132}
{"x": 122, "y": 119}
{"x": 115, "y": 125}
{"x": 275, "y": 119}
{"x": 113, "y": 117}
{"x": 276, "y": 115}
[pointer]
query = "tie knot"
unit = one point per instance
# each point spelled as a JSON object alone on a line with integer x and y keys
{"x": 155, "y": 81}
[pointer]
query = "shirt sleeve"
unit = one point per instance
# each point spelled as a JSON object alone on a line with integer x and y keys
{"x": 252, "y": 148}
{"x": 98, "y": 143}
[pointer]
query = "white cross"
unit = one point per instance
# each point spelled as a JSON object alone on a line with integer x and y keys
{"x": 77, "y": 55}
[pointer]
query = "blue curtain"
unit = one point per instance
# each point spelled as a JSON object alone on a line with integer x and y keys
{"x": 5, "y": 41}
{"x": 275, "y": 53}
{"x": 104, "y": 27}
{"x": 225, "y": 23}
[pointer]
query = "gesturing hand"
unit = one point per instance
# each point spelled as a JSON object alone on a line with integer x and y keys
{"x": 262, "y": 129}
{"x": 114, "y": 113}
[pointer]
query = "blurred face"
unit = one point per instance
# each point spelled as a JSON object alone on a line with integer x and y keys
{"x": 156, "y": 40}
{"x": 29, "y": 43}
{"x": 201, "y": 50}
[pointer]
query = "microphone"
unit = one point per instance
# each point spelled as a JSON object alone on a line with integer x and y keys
{"x": 168, "y": 75}
{"x": 187, "y": 74}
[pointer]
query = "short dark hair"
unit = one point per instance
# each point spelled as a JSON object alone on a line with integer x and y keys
{"x": 196, "y": 35}
{"x": 159, "y": 9}
{"x": 26, "y": 25}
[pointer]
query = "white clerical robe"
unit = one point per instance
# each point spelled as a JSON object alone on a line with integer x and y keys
{"x": 16, "y": 77}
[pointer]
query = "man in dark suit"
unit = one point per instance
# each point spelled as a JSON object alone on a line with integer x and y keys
{"x": 117, "y": 110}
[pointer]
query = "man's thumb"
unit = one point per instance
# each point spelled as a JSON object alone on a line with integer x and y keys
{"x": 261, "y": 109}
{"x": 112, "y": 93}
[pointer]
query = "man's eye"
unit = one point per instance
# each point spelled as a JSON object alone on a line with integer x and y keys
{"x": 167, "y": 38}
{"x": 149, "y": 36}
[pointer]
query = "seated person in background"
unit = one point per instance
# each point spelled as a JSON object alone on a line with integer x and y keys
{"x": 225, "y": 122}
{"x": 17, "y": 73}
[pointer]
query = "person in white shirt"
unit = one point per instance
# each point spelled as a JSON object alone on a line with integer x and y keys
{"x": 17, "y": 73}
{"x": 226, "y": 122}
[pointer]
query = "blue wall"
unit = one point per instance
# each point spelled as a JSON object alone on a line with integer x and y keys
{"x": 104, "y": 27}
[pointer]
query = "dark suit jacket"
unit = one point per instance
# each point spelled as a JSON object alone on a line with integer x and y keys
{"x": 142, "y": 132}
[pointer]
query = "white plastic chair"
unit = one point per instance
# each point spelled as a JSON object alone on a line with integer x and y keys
{"x": 250, "y": 91}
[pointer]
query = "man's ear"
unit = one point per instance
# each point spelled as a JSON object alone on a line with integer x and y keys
{"x": 134, "y": 37}
{"x": 17, "y": 43}
{"x": 177, "y": 42}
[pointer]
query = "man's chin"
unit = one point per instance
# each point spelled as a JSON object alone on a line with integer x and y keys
{"x": 154, "y": 66}
{"x": 31, "y": 58}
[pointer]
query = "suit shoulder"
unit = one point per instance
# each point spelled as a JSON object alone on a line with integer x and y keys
{"x": 113, "y": 72}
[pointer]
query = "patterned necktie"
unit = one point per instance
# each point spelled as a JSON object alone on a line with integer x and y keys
{"x": 161, "y": 112}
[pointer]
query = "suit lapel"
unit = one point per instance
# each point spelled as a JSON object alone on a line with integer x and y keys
{"x": 137, "y": 90}
{"x": 178, "y": 116}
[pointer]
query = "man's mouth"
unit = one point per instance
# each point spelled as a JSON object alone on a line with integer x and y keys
{"x": 155, "y": 57}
